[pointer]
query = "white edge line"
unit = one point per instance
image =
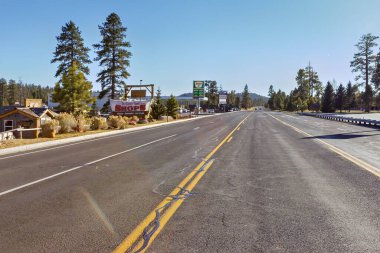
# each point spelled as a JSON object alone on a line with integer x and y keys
{"x": 81, "y": 166}
{"x": 83, "y": 139}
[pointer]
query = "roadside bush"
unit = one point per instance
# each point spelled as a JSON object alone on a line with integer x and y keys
{"x": 117, "y": 122}
{"x": 132, "y": 122}
{"x": 67, "y": 122}
{"x": 127, "y": 119}
{"x": 142, "y": 121}
{"x": 99, "y": 123}
{"x": 166, "y": 118}
{"x": 49, "y": 129}
{"x": 81, "y": 123}
{"x": 135, "y": 118}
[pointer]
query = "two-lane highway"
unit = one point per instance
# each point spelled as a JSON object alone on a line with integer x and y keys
{"x": 109, "y": 185}
{"x": 269, "y": 188}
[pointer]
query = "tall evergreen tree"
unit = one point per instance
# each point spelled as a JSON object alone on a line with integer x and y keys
{"x": 158, "y": 108}
{"x": 350, "y": 96}
{"x": 328, "y": 99}
{"x": 71, "y": 49}
{"x": 172, "y": 106}
{"x": 212, "y": 94}
{"x": 113, "y": 56}
{"x": 3, "y": 91}
{"x": 231, "y": 98}
{"x": 364, "y": 63}
{"x": 271, "y": 94}
{"x": 303, "y": 85}
{"x": 340, "y": 98}
{"x": 245, "y": 101}
{"x": 237, "y": 102}
{"x": 376, "y": 73}
{"x": 73, "y": 93}
{"x": 312, "y": 80}
{"x": 367, "y": 97}
{"x": 12, "y": 92}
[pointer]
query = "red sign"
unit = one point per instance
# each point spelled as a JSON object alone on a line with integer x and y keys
{"x": 121, "y": 106}
{"x": 129, "y": 108}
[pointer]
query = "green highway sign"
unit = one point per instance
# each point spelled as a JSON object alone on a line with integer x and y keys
{"x": 198, "y": 89}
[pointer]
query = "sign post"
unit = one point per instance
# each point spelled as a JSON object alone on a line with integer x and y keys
{"x": 198, "y": 92}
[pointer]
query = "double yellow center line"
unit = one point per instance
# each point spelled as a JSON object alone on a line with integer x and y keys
{"x": 135, "y": 241}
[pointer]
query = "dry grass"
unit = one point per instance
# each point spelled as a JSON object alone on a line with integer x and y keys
{"x": 21, "y": 142}
{"x": 18, "y": 142}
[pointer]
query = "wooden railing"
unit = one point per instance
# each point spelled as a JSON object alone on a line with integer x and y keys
{"x": 8, "y": 135}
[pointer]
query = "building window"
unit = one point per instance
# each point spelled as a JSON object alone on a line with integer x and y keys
{"x": 8, "y": 125}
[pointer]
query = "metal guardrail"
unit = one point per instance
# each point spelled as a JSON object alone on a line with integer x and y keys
{"x": 351, "y": 120}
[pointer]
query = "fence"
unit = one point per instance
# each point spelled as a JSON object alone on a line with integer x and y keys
{"x": 8, "y": 135}
{"x": 357, "y": 121}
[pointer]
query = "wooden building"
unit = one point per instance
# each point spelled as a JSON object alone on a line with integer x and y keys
{"x": 12, "y": 117}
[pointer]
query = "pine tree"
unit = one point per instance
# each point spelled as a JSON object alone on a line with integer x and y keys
{"x": 212, "y": 94}
{"x": 364, "y": 64}
{"x": 328, "y": 99}
{"x": 376, "y": 73}
{"x": 11, "y": 92}
{"x": 231, "y": 99}
{"x": 3, "y": 91}
{"x": 312, "y": 79}
{"x": 303, "y": 86}
{"x": 172, "y": 106}
{"x": 367, "y": 96}
{"x": 158, "y": 109}
{"x": 73, "y": 93}
{"x": 271, "y": 94}
{"x": 71, "y": 49}
{"x": 237, "y": 102}
{"x": 340, "y": 98}
{"x": 350, "y": 96}
{"x": 113, "y": 56}
{"x": 245, "y": 101}
{"x": 378, "y": 101}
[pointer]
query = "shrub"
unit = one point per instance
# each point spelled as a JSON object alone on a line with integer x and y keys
{"x": 142, "y": 121}
{"x": 67, "y": 122}
{"x": 127, "y": 119}
{"x": 135, "y": 118}
{"x": 132, "y": 122}
{"x": 50, "y": 128}
{"x": 81, "y": 123}
{"x": 99, "y": 123}
{"x": 117, "y": 122}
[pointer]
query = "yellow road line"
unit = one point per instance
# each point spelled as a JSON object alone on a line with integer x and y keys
{"x": 229, "y": 139}
{"x": 362, "y": 164}
{"x": 137, "y": 232}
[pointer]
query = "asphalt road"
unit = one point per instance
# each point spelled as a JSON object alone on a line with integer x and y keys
{"x": 270, "y": 189}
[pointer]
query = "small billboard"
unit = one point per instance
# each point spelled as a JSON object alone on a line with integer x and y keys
{"x": 198, "y": 89}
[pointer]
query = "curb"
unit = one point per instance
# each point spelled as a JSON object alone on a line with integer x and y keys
{"x": 34, "y": 146}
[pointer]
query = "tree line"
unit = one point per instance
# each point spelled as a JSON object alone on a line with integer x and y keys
{"x": 12, "y": 92}
{"x": 310, "y": 94}
{"x": 234, "y": 100}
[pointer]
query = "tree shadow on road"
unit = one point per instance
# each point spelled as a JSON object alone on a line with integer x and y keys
{"x": 343, "y": 136}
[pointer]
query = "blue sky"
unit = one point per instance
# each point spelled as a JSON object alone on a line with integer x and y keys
{"x": 177, "y": 41}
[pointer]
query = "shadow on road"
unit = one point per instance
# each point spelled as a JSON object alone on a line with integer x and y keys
{"x": 343, "y": 136}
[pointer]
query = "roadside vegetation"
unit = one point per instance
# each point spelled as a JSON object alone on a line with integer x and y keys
{"x": 310, "y": 94}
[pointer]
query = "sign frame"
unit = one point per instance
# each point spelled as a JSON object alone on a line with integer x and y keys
{"x": 198, "y": 89}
